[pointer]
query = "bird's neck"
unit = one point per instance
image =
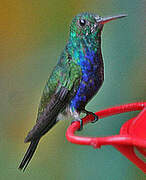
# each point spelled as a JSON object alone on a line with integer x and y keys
{"x": 86, "y": 49}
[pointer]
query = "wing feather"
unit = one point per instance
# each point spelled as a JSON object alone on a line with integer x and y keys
{"x": 55, "y": 101}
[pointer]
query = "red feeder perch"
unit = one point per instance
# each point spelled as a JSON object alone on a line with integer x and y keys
{"x": 131, "y": 141}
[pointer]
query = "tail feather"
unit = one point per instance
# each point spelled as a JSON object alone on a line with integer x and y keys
{"x": 28, "y": 155}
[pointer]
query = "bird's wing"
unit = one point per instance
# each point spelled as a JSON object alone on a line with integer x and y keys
{"x": 58, "y": 92}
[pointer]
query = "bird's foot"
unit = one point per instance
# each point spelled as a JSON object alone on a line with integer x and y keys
{"x": 81, "y": 123}
{"x": 93, "y": 114}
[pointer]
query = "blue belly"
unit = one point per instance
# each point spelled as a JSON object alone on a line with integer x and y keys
{"x": 92, "y": 72}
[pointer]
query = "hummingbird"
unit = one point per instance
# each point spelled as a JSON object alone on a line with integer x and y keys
{"x": 74, "y": 81}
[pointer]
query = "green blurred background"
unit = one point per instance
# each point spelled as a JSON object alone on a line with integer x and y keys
{"x": 32, "y": 36}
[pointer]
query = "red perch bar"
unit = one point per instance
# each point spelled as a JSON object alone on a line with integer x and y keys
{"x": 131, "y": 141}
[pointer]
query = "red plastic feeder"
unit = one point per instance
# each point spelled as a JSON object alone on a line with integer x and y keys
{"x": 131, "y": 141}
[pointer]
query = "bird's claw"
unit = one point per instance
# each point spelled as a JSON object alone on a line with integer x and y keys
{"x": 95, "y": 117}
{"x": 81, "y": 124}
{"x": 93, "y": 114}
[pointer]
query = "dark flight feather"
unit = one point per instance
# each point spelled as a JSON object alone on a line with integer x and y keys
{"x": 45, "y": 122}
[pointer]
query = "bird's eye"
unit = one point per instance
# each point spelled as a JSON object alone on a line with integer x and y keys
{"x": 82, "y": 22}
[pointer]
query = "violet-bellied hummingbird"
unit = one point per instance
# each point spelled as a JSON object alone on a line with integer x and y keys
{"x": 75, "y": 79}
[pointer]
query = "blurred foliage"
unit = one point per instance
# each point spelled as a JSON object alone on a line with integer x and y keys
{"x": 32, "y": 36}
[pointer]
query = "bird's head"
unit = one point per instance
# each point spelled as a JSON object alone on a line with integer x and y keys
{"x": 86, "y": 25}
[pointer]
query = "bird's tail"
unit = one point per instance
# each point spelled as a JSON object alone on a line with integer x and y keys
{"x": 28, "y": 155}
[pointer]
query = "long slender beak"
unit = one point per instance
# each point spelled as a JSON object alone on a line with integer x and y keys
{"x": 104, "y": 20}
